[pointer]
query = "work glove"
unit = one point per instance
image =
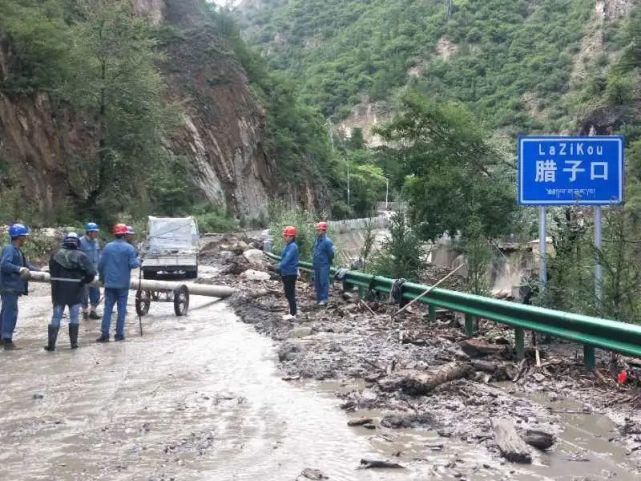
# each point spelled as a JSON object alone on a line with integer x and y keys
{"x": 24, "y": 273}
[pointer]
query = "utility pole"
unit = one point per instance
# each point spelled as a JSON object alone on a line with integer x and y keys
{"x": 449, "y": 9}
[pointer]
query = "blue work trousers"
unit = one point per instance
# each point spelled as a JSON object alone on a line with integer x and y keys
{"x": 90, "y": 295}
{"x": 58, "y": 311}
{"x": 321, "y": 283}
{"x": 112, "y": 297}
{"x": 9, "y": 314}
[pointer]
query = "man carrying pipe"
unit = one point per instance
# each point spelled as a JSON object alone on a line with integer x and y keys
{"x": 70, "y": 269}
{"x": 90, "y": 245}
{"x": 116, "y": 262}
{"x": 322, "y": 261}
{"x": 14, "y": 273}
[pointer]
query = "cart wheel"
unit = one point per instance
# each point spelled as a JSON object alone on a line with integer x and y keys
{"x": 181, "y": 300}
{"x": 143, "y": 301}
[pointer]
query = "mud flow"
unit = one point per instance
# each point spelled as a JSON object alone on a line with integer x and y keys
{"x": 200, "y": 398}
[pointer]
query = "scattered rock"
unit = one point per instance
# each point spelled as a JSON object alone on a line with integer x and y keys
{"x": 398, "y": 421}
{"x": 38, "y": 396}
{"x": 480, "y": 348}
{"x": 512, "y": 447}
{"x": 253, "y": 275}
{"x": 313, "y": 474}
{"x": 359, "y": 422}
{"x": 300, "y": 332}
{"x": 539, "y": 439}
{"x": 256, "y": 259}
{"x": 289, "y": 351}
{"x": 373, "y": 463}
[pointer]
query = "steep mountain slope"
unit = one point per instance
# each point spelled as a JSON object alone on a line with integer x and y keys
{"x": 519, "y": 64}
{"x": 48, "y": 145}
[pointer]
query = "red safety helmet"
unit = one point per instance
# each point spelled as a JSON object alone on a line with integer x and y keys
{"x": 322, "y": 226}
{"x": 290, "y": 231}
{"x": 120, "y": 229}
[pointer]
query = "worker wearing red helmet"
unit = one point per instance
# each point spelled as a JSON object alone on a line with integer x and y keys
{"x": 322, "y": 262}
{"x": 117, "y": 260}
{"x": 288, "y": 269}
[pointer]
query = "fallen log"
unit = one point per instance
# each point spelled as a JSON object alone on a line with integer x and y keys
{"x": 359, "y": 422}
{"x": 539, "y": 439}
{"x": 480, "y": 348}
{"x": 374, "y": 463}
{"x": 417, "y": 383}
{"x": 512, "y": 447}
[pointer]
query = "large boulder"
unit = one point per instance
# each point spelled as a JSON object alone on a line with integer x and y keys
{"x": 256, "y": 259}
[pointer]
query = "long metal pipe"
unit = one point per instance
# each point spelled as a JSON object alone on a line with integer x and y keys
{"x": 166, "y": 286}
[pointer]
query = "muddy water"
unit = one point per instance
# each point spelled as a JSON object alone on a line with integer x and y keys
{"x": 199, "y": 398}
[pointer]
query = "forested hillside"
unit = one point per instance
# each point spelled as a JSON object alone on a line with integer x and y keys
{"x": 520, "y": 65}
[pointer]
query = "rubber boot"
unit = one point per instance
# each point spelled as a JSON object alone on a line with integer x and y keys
{"x": 53, "y": 335}
{"x": 73, "y": 335}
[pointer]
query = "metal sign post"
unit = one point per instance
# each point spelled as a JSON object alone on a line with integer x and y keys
{"x": 543, "y": 273}
{"x": 571, "y": 171}
{"x": 598, "y": 269}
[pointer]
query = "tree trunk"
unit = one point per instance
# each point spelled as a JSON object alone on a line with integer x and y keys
{"x": 417, "y": 383}
{"x": 512, "y": 447}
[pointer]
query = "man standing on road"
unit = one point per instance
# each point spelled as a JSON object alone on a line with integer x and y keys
{"x": 116, "y": 262}
{"x": 288, "y": 270}
{"x": 90, "y": 245}
{"x": 322, "y": 261}
{"x": 70, "y": 269}
{"x": 14, "y": 273}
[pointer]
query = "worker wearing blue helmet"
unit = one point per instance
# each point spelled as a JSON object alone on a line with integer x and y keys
{"x": 90, "y": 245}
{"x": 14, "y": 274}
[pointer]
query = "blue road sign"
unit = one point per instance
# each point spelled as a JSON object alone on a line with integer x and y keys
{"x": 570, "y": 170}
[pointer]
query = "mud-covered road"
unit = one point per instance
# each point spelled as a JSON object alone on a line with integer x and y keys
{"x": 203, "y": 398}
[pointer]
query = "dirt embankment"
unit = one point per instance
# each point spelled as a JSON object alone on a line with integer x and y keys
{"x": 413, "y": 373}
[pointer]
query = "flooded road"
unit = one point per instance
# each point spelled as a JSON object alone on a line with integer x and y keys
{"x": 199, "y": 398}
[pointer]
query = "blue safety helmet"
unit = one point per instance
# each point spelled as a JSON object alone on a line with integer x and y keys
{"x": 91, "y": 227}
{"x": 71, "y": 240}
{"x": 18, "y": 230}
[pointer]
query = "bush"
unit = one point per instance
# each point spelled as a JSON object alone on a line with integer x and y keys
{"x": 214, "y": 219}
{"x": 400, "y": 256}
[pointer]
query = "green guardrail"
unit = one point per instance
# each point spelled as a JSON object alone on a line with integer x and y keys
{"x": 592, "y": 332}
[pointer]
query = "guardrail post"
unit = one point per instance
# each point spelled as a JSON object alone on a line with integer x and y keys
{"x": 519, "y": 343}
{"x": 469, "y": 325}
{"x": 588, "y": 357}
{"x": 432, "y": 312}
{"x": 361, "y": 292}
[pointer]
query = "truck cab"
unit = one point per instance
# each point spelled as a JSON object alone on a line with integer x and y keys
{"x": 171, "y": 248}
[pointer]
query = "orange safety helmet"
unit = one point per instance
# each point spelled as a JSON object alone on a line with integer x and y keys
{"x": 322, "y": 226}
{"x": 120, "y": 229}
{"x": 290, "y": 231}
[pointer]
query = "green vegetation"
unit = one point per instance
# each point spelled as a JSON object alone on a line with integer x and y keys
{"x": 400, "y": 255}
{"x": 500, "y": 57}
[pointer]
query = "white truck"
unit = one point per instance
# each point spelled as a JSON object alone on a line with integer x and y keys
{"x": 171, "y": 248}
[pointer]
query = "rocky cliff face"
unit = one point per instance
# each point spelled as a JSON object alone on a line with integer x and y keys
{"x": 222, "y": 134}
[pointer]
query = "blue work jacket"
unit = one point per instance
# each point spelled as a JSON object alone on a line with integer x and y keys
{"x": 116, "y": 261}
{"x": 11, "y": 260}
{"x": 288, "y": 265}
{"x": 323, "y": 251}
{"x": 91, "y": 247}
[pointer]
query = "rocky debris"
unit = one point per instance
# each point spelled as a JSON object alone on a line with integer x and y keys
{"x": 300, "y": 332}
{"x": 512, "y": 447}
{"x": 357, "y": 343}
{"x": 398, "y": 421}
